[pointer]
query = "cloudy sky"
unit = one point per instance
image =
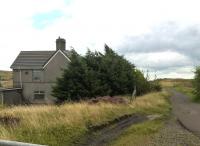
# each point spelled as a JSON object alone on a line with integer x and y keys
{"x": 162, "y": 36}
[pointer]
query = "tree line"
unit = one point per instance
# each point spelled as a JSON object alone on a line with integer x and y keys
{"x": 96, "y": 74}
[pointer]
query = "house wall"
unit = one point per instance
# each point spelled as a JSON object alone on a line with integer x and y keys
{"x": 26, "y": 76}
{"x": 51, "y": 72}
{"x": 16, "y": 78}
{"x": 29, "y": 88}
{"x": 54, "y": 68}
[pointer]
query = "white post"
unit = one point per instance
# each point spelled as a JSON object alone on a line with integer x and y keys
{"x": 15, "y": 143}
{"x": 134, "y": 93}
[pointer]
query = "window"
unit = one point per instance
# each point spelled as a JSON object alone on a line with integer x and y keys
{"x": 39, "y": 94}
{"x": 37, "y": 75}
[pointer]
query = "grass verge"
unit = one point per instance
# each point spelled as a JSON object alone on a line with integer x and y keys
{"x": 189, "y": 91}
{"x": 68, "y": 124}
{"x": 182, "y": 85}
{"x": 138, "y": 135}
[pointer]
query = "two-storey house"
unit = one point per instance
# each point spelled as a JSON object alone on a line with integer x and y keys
{"x": 36, "y": 72}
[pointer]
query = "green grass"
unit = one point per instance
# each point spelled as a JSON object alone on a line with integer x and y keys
{"x": 68, "y": 124}
{"x": 138, "y": 135}
{"x": 187, "y": 88}
{"x": 189, "y": 91}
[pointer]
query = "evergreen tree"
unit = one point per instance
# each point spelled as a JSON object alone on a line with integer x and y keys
{"x": 97, "y": 74}
{"x": 72, "y": 85}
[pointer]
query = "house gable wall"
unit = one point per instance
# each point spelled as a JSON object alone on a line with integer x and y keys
{"x": 54, "y": 68}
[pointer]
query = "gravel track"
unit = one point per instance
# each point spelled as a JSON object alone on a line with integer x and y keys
{"x": 173, "y": 134}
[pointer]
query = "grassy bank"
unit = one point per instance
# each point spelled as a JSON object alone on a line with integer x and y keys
{"x": 67, "y": 124}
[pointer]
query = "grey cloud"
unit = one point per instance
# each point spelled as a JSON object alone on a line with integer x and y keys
{"x": 166, "y": 37}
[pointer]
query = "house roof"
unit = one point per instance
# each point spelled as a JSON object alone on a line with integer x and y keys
{"x": 33, "y": 59}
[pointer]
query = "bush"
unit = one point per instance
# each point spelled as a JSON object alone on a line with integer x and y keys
{"x": 155, "y": 86}
{"x": 196, "y": 83}
{"x": 142, "y": 84}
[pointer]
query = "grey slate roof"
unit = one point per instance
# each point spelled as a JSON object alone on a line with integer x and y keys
{"x": 33, "y": 59}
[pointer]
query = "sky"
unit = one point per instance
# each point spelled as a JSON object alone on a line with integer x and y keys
{"x": 161, "y": 36}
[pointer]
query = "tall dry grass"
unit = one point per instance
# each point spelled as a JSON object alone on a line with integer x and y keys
{"x": 67, "y": 124}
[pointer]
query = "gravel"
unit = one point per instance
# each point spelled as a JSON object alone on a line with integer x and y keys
{"x": 173, "y": 134}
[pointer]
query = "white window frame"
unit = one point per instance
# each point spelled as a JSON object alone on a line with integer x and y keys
{"x": 38, "y": 92}
{"x": 40, "y": 72}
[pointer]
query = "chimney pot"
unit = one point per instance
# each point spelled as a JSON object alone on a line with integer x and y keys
{"x": 60, "y": 44}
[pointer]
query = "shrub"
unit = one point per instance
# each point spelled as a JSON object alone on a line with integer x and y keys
{"x": 196, "y": 83}
{"x": 155, "y": 86}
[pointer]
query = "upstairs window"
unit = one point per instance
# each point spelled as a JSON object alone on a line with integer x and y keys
{"x": 39, "y": 95}
{"x": 37, "y": 75}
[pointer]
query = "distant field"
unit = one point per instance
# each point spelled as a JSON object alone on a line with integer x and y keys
{"x": 6, "y": 79}
{"x": 175, "y": 82}
{"x": 182, "y": 85}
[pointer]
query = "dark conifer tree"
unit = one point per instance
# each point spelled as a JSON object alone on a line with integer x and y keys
{"x": 97, "y": 74}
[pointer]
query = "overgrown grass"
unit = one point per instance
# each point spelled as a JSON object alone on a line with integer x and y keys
{"x": 67, "y": 124}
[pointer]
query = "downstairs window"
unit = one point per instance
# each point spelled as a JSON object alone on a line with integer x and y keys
{"x": 39, "y": 95}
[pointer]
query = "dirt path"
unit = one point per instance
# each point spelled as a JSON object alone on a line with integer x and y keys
{"x": 187, "y": 113}
{"x": 105, "y": 135}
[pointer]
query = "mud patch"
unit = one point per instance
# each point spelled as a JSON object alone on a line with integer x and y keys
{"x": 103, "y": 135}
{"x": 9, "y": 120}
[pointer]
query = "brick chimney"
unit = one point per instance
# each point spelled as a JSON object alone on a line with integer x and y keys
{"x": 60, "y": 44}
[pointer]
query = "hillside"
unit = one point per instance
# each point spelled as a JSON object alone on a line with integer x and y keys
{"x": 6, "y": 78}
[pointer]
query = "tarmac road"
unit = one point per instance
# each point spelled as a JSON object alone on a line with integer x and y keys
{"x": 187, "y": 112}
